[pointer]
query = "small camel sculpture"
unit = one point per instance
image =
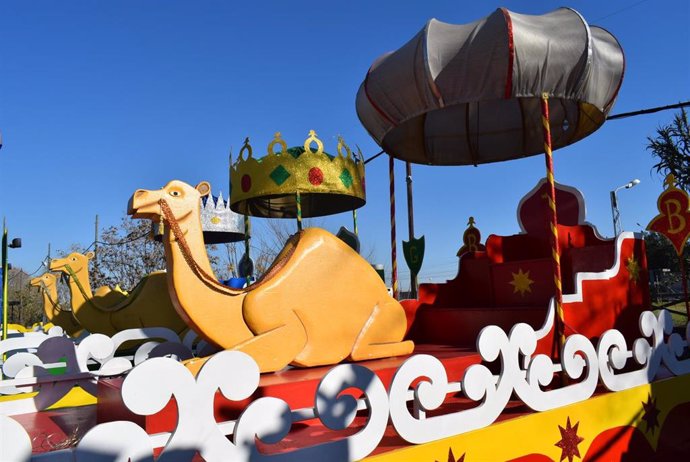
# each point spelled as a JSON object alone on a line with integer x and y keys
{"x": 318, "y": 304}
{"x": 47, "y": 283}
{"x": 111, "y": 311}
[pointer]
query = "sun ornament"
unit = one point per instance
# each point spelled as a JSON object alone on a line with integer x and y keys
{"x": 521, "y": 282}
{"x": 633, "y": 269}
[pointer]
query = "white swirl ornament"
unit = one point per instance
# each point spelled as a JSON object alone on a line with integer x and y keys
{"x": 149, "y": 387}
{"x": 613, "y": 354}
{"x": 478, "y": 384}
{"x": 15, "y": 444}
{"x": 675, "y": 346}
{"x": 269, "y": 419}
{"x": 119, "y": 441}
{"x": 577, "y": 356}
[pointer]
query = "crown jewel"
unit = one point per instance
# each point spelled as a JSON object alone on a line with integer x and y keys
{"x": 327, "y": 184}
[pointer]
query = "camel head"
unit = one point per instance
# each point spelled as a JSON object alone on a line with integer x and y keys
{"x": 182, "y": 199}
{"x": 76, "y": 261}
{"x": 46, "y": 280}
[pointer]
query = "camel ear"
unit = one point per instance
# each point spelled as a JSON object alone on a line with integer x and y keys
{"x": 89, "y": 255}
{"x": 204, "y": 188}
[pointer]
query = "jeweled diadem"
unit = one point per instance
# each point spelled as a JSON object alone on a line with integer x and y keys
{"x": 323, "y": 183}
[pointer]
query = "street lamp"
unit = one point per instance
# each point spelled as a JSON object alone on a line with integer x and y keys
{"x": 614, "y": 206}
{"x": 15, "y": 244}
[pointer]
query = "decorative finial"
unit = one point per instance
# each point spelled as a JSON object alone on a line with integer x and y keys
{"x": 670, "y": 180}
{"x": 470, "y": 223}
{"x": 313, "y": 139}
{"x": 277, "y": 139}
{"x": 246, "y": 147}
{"x": 341, "y": 145}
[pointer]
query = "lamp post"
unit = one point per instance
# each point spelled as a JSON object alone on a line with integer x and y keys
{"x": 15, "y": 244}
{"x": 614, "y": 206}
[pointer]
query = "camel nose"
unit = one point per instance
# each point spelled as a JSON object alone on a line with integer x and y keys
{"x": 138, "y": 194}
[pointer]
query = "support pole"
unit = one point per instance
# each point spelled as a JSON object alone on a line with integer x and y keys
{"x": 95, "y": 245}
{"x": 247, "y": 234}
{"x": 4, "y": 279}
{"x": 298, "y": 202}
{"x": 410, "y": 224}
{"x": 559, "y": 323}
{"x": 354, "y": 222}
{"x": 685, "y": 284}
{"x": 394, "y": 250}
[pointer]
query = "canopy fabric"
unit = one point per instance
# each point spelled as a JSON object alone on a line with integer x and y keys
{"x": 470, "y": 94}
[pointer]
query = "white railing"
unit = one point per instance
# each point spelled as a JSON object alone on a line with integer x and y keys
{"x": 149, "y": 387}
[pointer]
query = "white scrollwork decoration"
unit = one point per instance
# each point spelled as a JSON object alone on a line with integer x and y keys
{"x": 235, "y": 374}
{"x": 15, "y": 443}
{"x": 613, "y": 354}
{"x": 116, "y": 442}
{"x": 478, "y": 384}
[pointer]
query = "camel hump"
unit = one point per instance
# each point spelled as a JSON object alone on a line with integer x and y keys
{"x": 326, "y": 290}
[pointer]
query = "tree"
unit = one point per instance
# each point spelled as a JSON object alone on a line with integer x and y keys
{"x": 127, "y": 254}
{"x": 25, "y": 302}
{"x": 266, "y": 243}
{"x": 671, "y": 147}
{"x": 663, "y": 264}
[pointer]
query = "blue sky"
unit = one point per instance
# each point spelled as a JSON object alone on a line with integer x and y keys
{"x": 98, "y": 99}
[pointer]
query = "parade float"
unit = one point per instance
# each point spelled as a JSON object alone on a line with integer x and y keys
{"x": 541, "y": 348}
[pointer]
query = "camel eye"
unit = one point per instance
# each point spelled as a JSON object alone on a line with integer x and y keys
{"x": 175, "y": 193}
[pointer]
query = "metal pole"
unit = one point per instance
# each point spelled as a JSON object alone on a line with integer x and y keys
{"x": 4, "y": 279}
{"x": 298, "y": 203}
{"x": 410, "y": 224}
{"x": 615, "y": 213}
{"x": 394, "y": 250}
{"x": 95, "y": 246}
{"x": 685, "y": 284}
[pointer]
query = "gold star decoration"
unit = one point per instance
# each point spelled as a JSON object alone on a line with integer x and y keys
{"x": 451, "y": 457}
{"x": 521, "y": 282}
{"x": 633, "y": 269}
{"x": 650, "y": 414}
{"x": 569, "y": 441}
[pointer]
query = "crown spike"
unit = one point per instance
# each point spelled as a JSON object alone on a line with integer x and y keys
{"x": 246, "y": 147}
{"x": 220, "y": 204}
{"x": 277, "y": 139}
{"x": 313, "y": 139}
{"x": 359, "y": 157}
{"x": 341, "y": 145}
{"x": 205, "y": 202}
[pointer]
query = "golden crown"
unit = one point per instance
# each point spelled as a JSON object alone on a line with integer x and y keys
{"x": 270, "y": 186}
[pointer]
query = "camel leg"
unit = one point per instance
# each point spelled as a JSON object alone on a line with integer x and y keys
{"x": 274, "y": 349}
{"x": 382, "y": 334}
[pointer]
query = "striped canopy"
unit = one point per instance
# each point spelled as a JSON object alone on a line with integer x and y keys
{"x": 470, "y": 94}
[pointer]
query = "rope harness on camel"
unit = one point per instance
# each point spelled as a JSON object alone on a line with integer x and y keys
{"x": 182, "y": 244}
{"x": 205, "y": 277}
{"x": 88, "y": 298}
{"x": 55, "y": 303}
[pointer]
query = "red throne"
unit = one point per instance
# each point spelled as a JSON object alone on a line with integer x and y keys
{"x": 512, "y": 281}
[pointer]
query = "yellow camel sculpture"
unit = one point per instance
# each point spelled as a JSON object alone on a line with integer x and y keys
{"x": 111, "y": 311}
{"x": 47, "y": 283}
{"x": 318, "y": 304}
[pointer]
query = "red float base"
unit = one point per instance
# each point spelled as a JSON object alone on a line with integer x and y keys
{"x": 296, "y": 387}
